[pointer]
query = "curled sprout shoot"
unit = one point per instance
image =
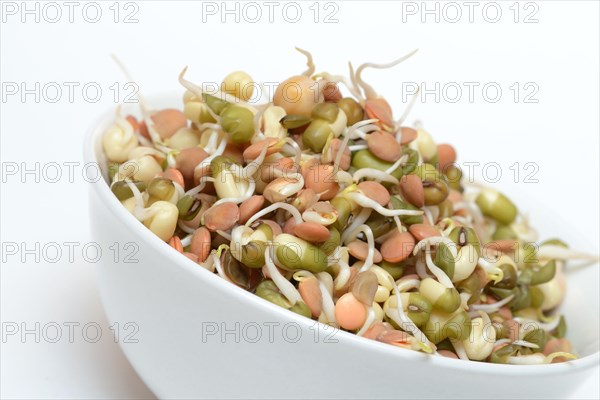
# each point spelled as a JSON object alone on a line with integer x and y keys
{"x": 198, "y": 92}
{"x": 371, "y": 242}
{"x": 354, "y": 228}
{"x": 275, "y": 206}
{"x": 368, "y": 91}
{"x": 400, "y": 121}
{"x": 437, "y": 271}
{"x": 421, "y": 269}
{"x": 524, "y": 343}
{"x": 206, "y": 162}
{"x": 374, "y": 174}
{"x": 492, "y": 308}
{"x": 217, "y": 263}
{"x": 359, "y": 129}
{"x": 190, "y": 231}
{"x": 493, "y": 272}
{"x": 460, "y": 349}
{"x": 328, "y": 305}
{"x": 406, "y": 323}
{"x": 548, "y": 327}
{"x": 143, "y": 104}
{"x": 366, "y": 202}
{"x": 285, "y": 286}
{"x": 246, "y": 175}
{"x": 558, "y": 252}
{"x": 368, "y": 322}
{"x": 407, "y": 284}
{"x": 197, "y": 189}
{"x": 309, "y": 62}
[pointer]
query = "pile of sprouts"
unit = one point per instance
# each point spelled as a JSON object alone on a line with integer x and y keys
{"x": 321, "y": 201}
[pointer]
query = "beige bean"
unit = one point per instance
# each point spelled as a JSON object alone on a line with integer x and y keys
{"x": 200, "y": 244}
{"x": 375, "y": 191}
{"x": 384, "y": 146}
{"x": 163, "y": 220}
{"x": 411, "y": 188}
{"x": 222, "y": 217}
{"x": 144, "y": 168}
{"x": 311, "y": 232}
{"x": 270, "y": 122}
{"x": 298, "y": 95}
{"x": 184, "y": 138}
{"x": 238, "y": 84}
{"x": 359, "y": 249}
{"x": 250, "y": 207}
{"x": 117, "y": 144}
{"x": 398, "y": 247}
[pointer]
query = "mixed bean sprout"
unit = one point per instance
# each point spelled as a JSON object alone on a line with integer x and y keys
{"x": 328, "y": 206}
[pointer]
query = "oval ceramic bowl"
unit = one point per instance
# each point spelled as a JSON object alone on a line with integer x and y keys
{"x": 199, "y": 336}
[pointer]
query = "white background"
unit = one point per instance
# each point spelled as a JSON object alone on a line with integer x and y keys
{"x": 559, "y": 133}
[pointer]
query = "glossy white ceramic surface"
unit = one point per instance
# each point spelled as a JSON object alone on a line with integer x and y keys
{"x": 200, "y": 336}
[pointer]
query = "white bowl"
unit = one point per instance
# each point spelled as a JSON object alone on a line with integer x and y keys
{"x": 260, "y": 350}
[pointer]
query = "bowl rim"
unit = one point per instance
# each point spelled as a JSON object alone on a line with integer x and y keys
{"x": 102, "y": 190}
